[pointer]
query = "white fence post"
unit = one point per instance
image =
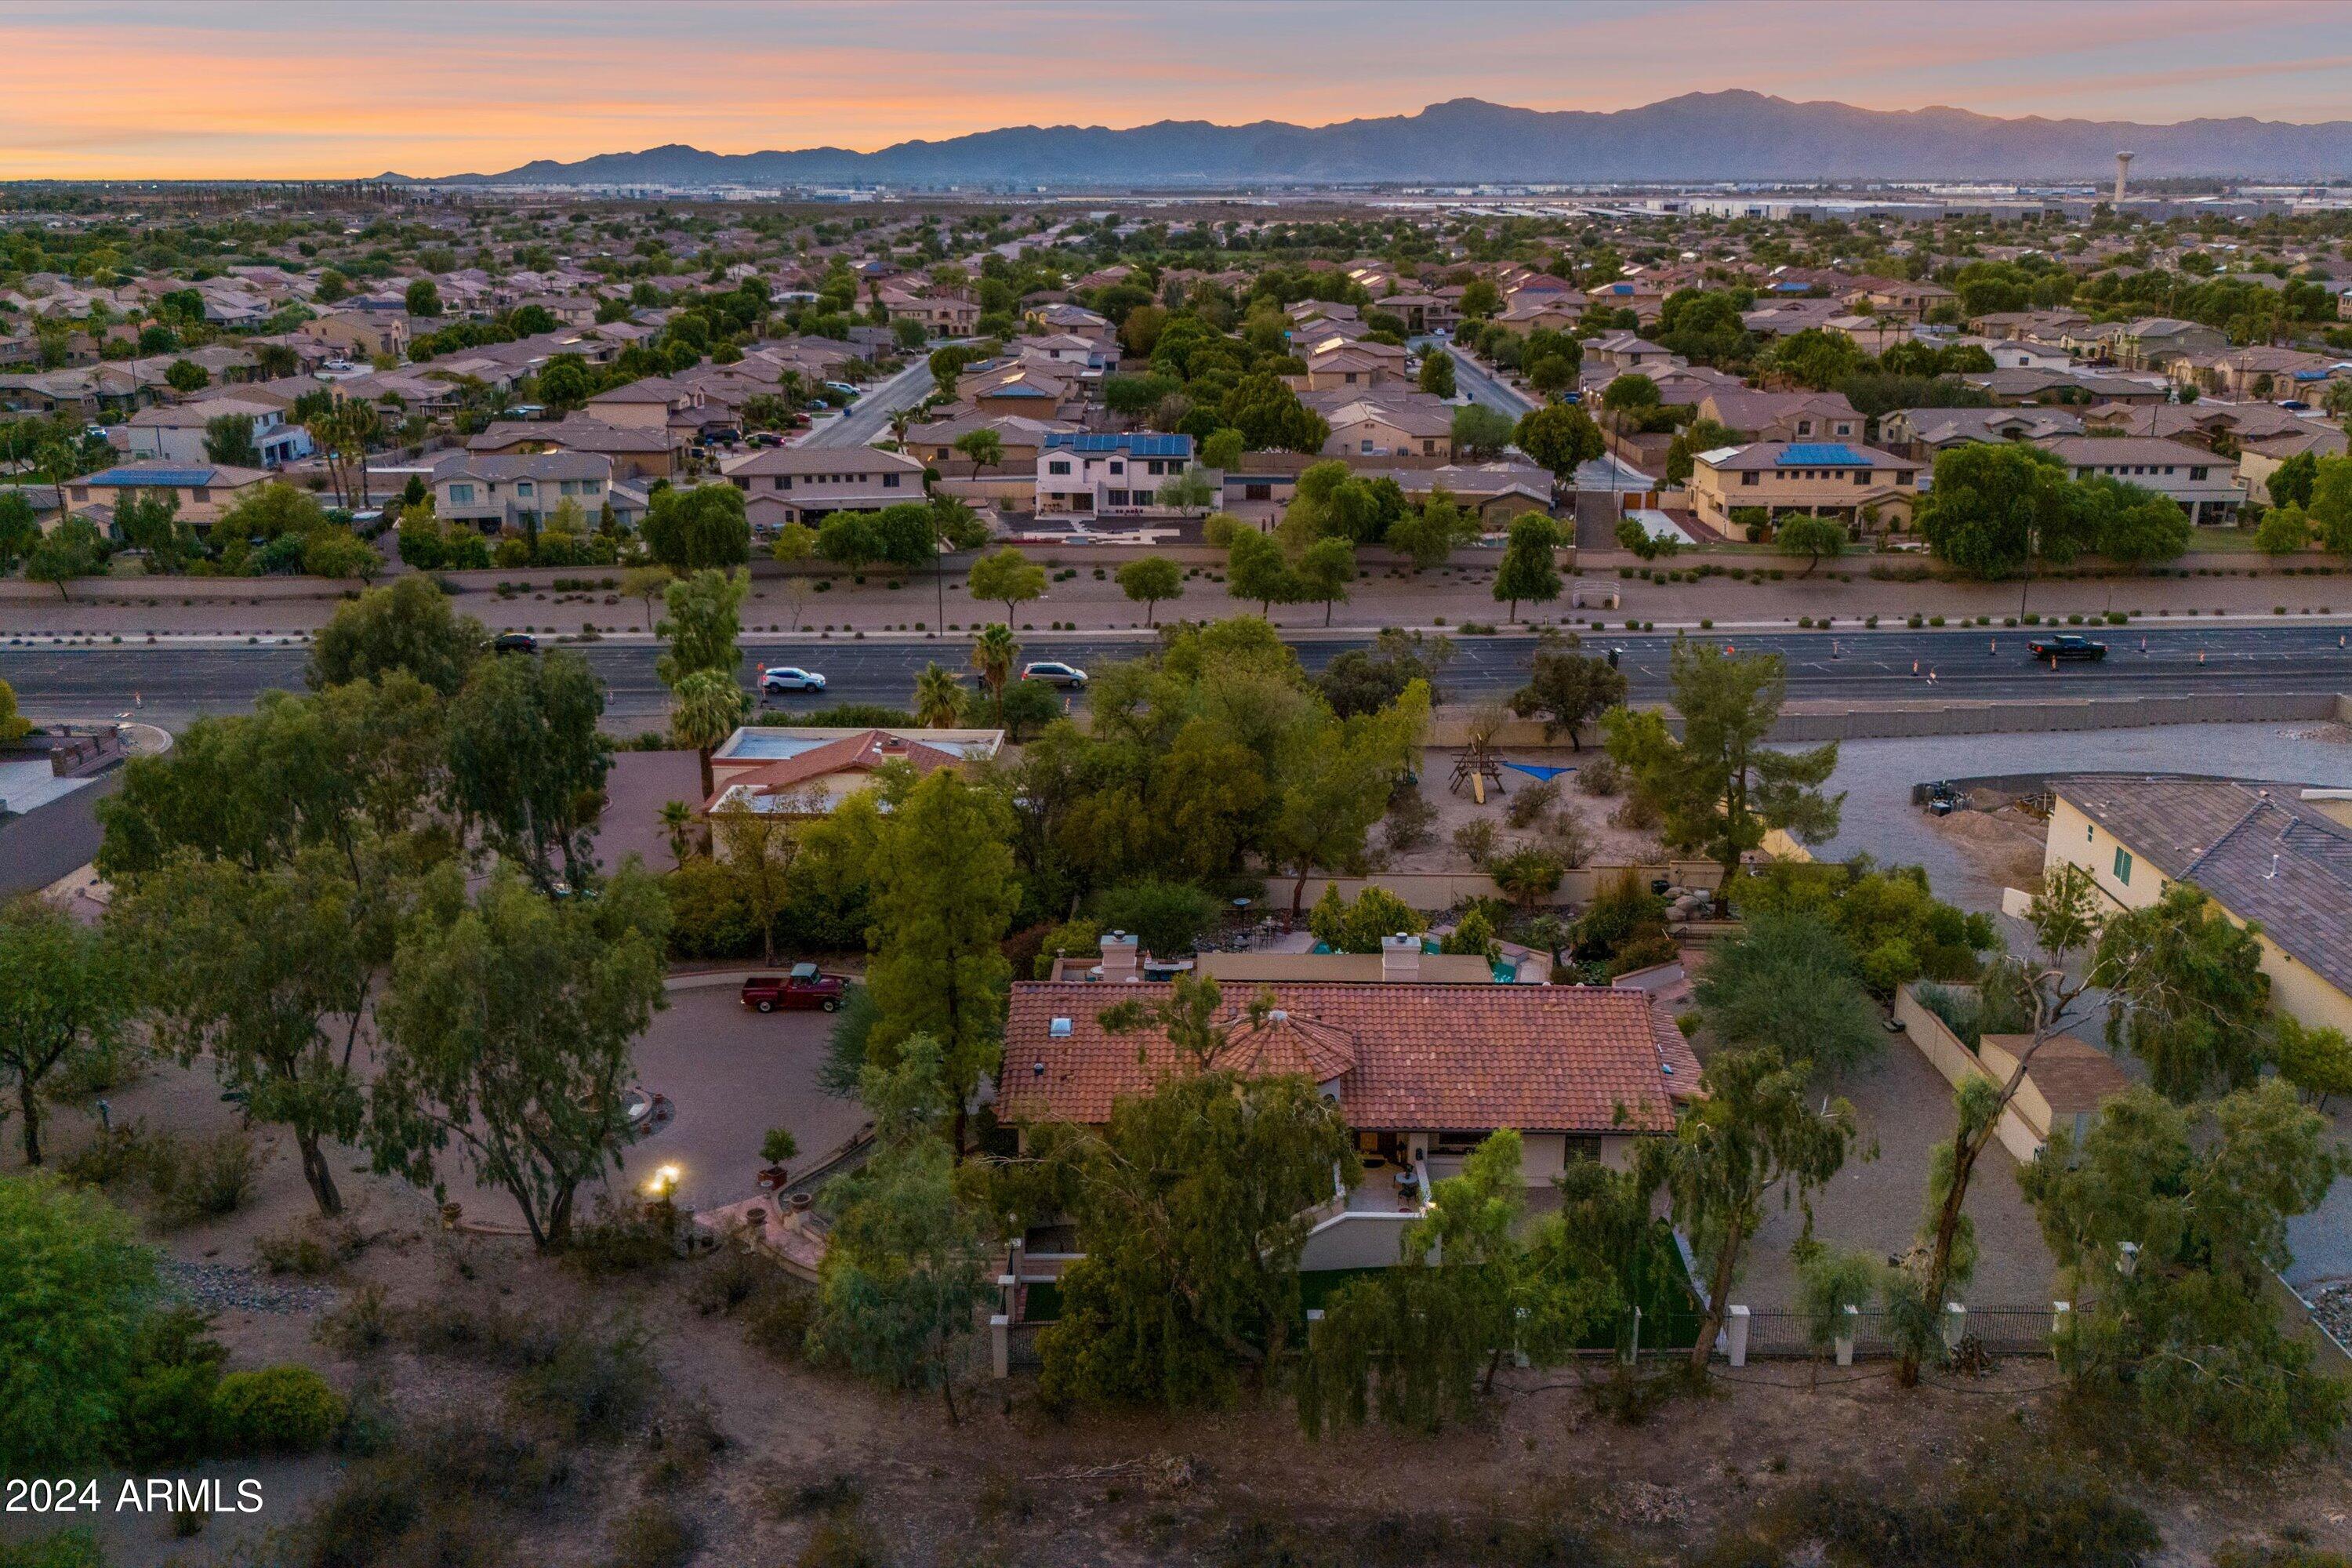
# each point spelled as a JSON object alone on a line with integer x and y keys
{"x": 2060, "y": 1313}
{"x": 1956, "y": 1324}
{"x": 1000, "y": 1345}
{"x": 1736, "y": 1330}
{"x": 1634, "y": 1346}
{"x": 1847, "y": 1329}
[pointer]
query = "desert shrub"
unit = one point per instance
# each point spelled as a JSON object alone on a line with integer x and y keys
{"x": 595, "y": 1384}
{"x": 1600, "y": 775}
{"x": 726, "y": 1278}
{"x": 1528, "y": 805}
{"x": 1412, "y": 820}
{"x": 2054, "y": 1521}
{"x": 361, "y": 1324}
{"x": 685, "y": 1438}
{"x": 310, "y": 1246}
{"x": 842, "y": 1542}
{"x": 776, "y": 1319}
{"x": 622, "y": 1238}
{"x": 654, "y": 1534}
{"x": 1476, "y": 842}
{"x": 1622, "y": 913}
{"x": 62, "y": 1549}
{"x": 166, "y": 1414}
{"x": 1642, "y": 952}
{"x": 110, "y": 1156}
{"x": 276, "y": 1410}
{"x": 206, "y": 1180}
{"x": 835, "y": 1494}
{"x": 434, "y": 1499}
{"x": 1567, "y": 837}
{"x": 1636, "y": 814}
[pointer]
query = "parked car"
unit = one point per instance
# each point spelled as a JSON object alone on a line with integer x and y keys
{"x": 2068, "y": 647}
{"x": 790, "y": 678}
{"x": 848, "y": 388}
{"x": 764, "y": 439}
{"x": 805, "y": 986}
{"x": 1053, "y": 672}
{"x": 721, "y": 438}
{"x": 514, "y": 642}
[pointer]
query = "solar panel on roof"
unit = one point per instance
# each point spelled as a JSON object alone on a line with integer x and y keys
{"x": 178, "y": 479}
{"x": 1820, "y": 455}
{"x": 1140, "y": 446}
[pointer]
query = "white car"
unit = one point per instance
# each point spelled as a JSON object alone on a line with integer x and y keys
{"x": 790, "y": 678}
{"x": 1055, "y": 673}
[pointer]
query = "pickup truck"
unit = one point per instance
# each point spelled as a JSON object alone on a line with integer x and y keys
{"x": 805, "y": 986}
{"x": 2068, "y": 647}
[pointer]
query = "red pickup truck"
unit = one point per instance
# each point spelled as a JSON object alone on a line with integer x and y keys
{"x": 805, "y": 986}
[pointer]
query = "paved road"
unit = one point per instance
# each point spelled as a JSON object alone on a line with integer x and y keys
{"x": 870, "y": 416}
{"x": 1480, "y": 385}
{"x": 172, "y": 685}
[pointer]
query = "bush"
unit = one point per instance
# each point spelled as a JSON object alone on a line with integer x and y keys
{"x": 204, "y": 1181}
{"x": 277, "y": 1410}
{"x": 654, "y": 1534}
{"x": 1166, "y": 918}
{"x": 363, "y": 1323}
{"x": 2052, "y": 1521}
{"x": 592, "y": 1386}
{"x": 1642, "y": 953}
{"x": 1600, "y": 775}
{"x": 1411, "y": 820}
{"x": 1527, "y": 807}
{"x": 1476, "y": 842}
{"x": 1074, "y": 939}
{"x": 708, "y": 917}
{"x": 308, "y": 1248}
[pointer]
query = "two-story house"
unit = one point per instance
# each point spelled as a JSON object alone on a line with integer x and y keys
{"x": 1098, "y": 476}
{"x": 1783, "y": 416}
{"x": 203, "y": 491}
{"x": 176, "y": 432}
{"x": 359, "y": 334}
{"x": 523, "y": 491}
{"x": 2205, "y": 486}
{"x": 1820, "y": 479}
{"x": 808, "y": 484}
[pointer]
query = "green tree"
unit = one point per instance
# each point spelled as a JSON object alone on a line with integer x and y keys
{"x": 905, "y": 1271}
{"x": 692, "y": 529}
{"x": 2284, "y": 531}
{"x": 1360, "y": 925}
{"x": 1480, "y": 432}
{"x": 64, "y": 999}
{"x": 186, "y": 377}
{"x": 1436, "y": 376}
{"x": 2330, "y": 506}
{"x": 2292, "y": 481}
{"x": 1429, "y": 532}
{"x": 1256, "y": 569}
{"x": 76, "y": 1285}
{"x": 1333, "y": 782}
{"x": 1631, "y": 393}
{"x": 1481, "y": 299}
{"x": 1324, "y": 571}
{"x": 70, "y": 549}
{"x": 2318, "y": 1062}
{"x": 507, "y": 1028}
{"x": 1190, "y": 491}
{"x": 423, "y": 298}
{"x": 152, "y": 523}
{"x": 984, "y": 448}
{"x": 13, "y": 726}
{"x": 526, "y": 765}
{"x": 2130, "y": 524}
{"x": 20, "y": 529}
{"x": 1007, "y": 577}
{"x": 1998, "y": 505}
{"x": 407, "y": 626}
{"x": 1151, "y": 581}
{"x": 1811, "y": 537}
{"x": 994, "y": 656}
{"x": 1419, "y": 1342}
{"x": 1222, "y": 451}
{"x": 705, "y": 617}
{"x": 2189, "y": 994}
{"x": 1528, "y": 569}
{"x": 1758, "y": 1134}
{"x": 939, "y": 697}
{"x": 1560, "y": 437}
{"x": 793, "y": 545}
{"x": 1792, "y": 981}
{"x": 706, "y": 706}
{"x": 1271, "y": 418}
{"x": 229, "y": 440}
{"x": 2168, "y": 1222}
{"x": 1567, "y": 691}
{"x": 1633, "y": 535}
{"x": 646, "y": 583}
{"x": 1194, "y": 1205}
{"x": 1719, "y": 788}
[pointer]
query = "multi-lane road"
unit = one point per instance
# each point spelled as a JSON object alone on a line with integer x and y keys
{"x": 169, "y": 685}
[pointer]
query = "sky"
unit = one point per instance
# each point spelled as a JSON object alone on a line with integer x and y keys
{"x": 348, "y": 88}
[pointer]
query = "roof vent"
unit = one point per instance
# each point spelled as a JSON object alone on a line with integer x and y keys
{"x": 1059, "y": 1029}
{"x": 1277, "y": 1016}
{"x": 1037, "y": 1069}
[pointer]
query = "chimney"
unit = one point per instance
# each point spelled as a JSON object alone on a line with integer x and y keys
{"x": 1401, "y": 956}
{"x": 1120, "y": 961}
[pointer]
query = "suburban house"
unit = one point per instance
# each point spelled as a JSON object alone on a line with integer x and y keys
{"x": 2265, "y": 854}
{"x": 1894, "y": 297}
{"x": 1391, "y": 421}
{"x": 648, "y": 404}
{"x": 941, "y": 315}
{"x": 523, "y": 492}
{"x": 1922, "y": 433}
{"x": 1022, "y": 439}
{"x": 1614, "y": 352}
{"x": 2205, "y": 486}
{"x": 1098, "y": 475}
{"x": 1422, "y": 1070}
{"x": 1023, "y": 387}
{"x": 808, "y": 484}
{"x": 1497, "y": 491}
{"x": 203, "y": 490}
{"x": 807, "y": 771}
{"x": 176, "y": 431}
{"x": 2152, "y": 342}
{"x": 636, "y": 452}
{"x": 1424, "y": 312}
{"x": 1783, "y": 416}
{"x": 361, "y": 334}
{"x": 1821, "y": 479}
{"x": 1336, "y": 363}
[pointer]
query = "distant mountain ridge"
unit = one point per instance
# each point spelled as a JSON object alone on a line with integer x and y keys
{"x": 1735, "y": 135}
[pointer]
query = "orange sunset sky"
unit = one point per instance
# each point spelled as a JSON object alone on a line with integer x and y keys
{"x": 255, "y": 89}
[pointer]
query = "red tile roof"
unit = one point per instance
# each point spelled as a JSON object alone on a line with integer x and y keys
{"x": 861, "y": 753}
{"x": 1406, "y": 1055}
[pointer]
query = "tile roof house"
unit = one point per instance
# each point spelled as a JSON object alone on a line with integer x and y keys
{"x": 2265, "y": 854}
{"x": 806, "y": 771}
{"x": 1923, "y": 432}
{"x": 1821, "y": 479}
{"x": 1421, "y": 1070}
{"x": 1098, "y": 476}
{"x": 2205, "y": 486}
{"x": 1384, "y": 421}
{"x": 808, "y": 484}
{"x": 1783, "y": 416}
{"x": 202, "y": 491}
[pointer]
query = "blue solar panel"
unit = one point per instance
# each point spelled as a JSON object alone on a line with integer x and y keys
{"x": 1137, "y": 444}
{"x": 178, "y": 479}
{"x": 1820, "y": 455}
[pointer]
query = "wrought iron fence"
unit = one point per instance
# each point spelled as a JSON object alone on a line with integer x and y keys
{"x": 1779, "y": 1334}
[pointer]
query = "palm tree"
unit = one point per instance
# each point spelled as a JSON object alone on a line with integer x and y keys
{"x": 705, "y": 707}
{"x": 993, "y": 652}
{"x": 939, "y": 697}
{"x": 677, "y": 821}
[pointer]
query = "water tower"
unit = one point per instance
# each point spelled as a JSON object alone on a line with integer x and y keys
{"x": 2123, "y": 167}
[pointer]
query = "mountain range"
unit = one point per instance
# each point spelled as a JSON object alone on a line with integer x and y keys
{"x": 1735, "y": 135}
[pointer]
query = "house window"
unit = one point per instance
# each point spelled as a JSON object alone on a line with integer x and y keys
{"x": 1580, "y": 1146}
{"x": 1057, "y": 467}
{"x": 1365, "y": 446}
{"x": 2194, "y": 473}
{"x": 1804, "y": 427}
{"x": 461, "y": 495}
{"x": 1751, "y": 477}
{"x": 783, "y": 481}
{"x": 1862, "y": 476}
{"x": 525, "y": 488}
{"x": 2123, "y": 866}
{"x": 1118, "y": 468}
{"x": 889, "y": 481}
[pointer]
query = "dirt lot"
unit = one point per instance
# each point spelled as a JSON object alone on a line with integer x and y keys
{"x": 1611, "y": 845}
